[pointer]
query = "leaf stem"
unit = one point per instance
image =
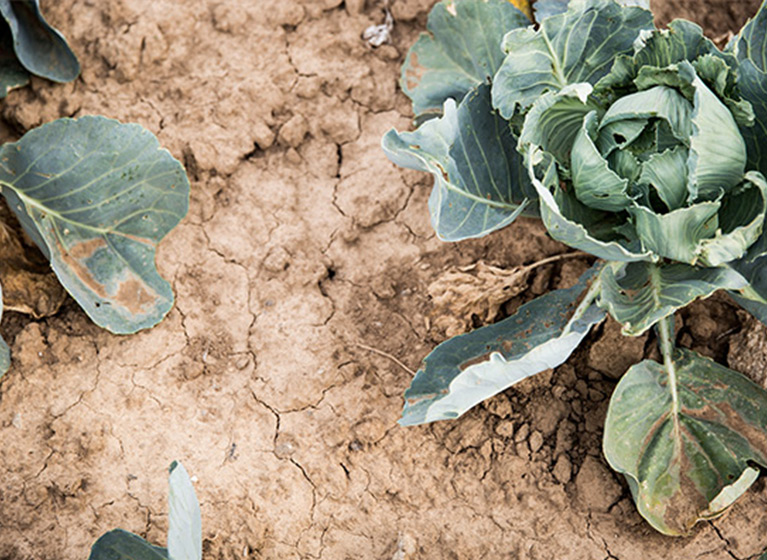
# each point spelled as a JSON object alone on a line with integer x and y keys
{"x": 583, "y": 306}
{"x": 666, "y": 334}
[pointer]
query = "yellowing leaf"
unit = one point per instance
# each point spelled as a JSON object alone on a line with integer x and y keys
{"x": 524, "y": 6}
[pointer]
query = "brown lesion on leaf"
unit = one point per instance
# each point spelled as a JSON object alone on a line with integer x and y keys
{"x": 132, "y": 294}
{"x": 414, "y": 72}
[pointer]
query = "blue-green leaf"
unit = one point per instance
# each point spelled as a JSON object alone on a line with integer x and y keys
{"x": 479, "y": 183}
{"x": 640, "y": 294}
{"x": 122, "y": 545}
{"x": 461, "y": 52}
{"x": 12, "y": 73}
{"x": 5, "y": 352}
{"x": 579, "y": 45}
{"x": 547, "y": 8}
{"x": 751, "y": 49}
{"x": 569, "y": 221}
{"x": 41, "y": 49}
{"x": 184, "y": 520}
{"x": 596, "y": 185}
{"x": 97, "y": 196}
{"x": 470, "y": 368}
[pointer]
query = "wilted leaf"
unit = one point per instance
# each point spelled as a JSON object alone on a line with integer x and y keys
{"x": 640, "y": 294}
{"x": 122, "y": 545}
{"x": 461, "y": 52}
{"x": 479, "y": 183}
{"x": 39, "y": 47}
{"x": 524, "y": 7}
{"x": 479, "y": 289}
{"x": 97, "y": 196}
{"x": 686, "y": 448}
{"x": 29, "y": 284}
{"x": 577, "y": 46}
{"x": 468, "y": 369}
{"x": 184, "y": 521}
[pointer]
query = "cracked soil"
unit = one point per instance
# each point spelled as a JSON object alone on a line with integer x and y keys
{"x": 305, "y": 258}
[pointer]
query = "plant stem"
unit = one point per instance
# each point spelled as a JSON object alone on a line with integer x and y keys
{"x": 666, "y": 335}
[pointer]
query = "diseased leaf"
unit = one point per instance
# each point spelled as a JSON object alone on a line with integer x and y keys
{"x": 479, "y": 183}
{"x": 640, "y": 294}
{"x": 470, "y": 368}
{"x": 41, "y": 49}
{"x": 184, "y": 521}
{"x": 5, "y": 352}
{"x": 97, "y": 196}
{"x": 685, "y": 438}
{"x": 524, "y": 7}
{"x": 579, "y": 45}
{"x": 122, "y": 545}
{"x": 461, "y": 52}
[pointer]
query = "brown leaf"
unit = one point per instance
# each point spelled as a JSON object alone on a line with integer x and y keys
{"x": 29, "y": 285}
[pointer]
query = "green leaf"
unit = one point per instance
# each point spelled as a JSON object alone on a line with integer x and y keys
{"x": 41, "y": 49}
{"x": 666, "y": 172}
{"x": 576, "y": 46}
{"x": 184, "y": 521}
{"x": 547, "y": 8}
{"x": 678, "y": 234}
{"x": 658, "y": 102}
{"x": 12, "y": 73}
{"x": 569, "y": 221}
{"x": 461, "y": 52}
{"x": 596, "y": 185}
{"x": 554, "y": 120}
{"x": 684, "y": 435}
{"x": 97, "y": 196}
{"x": 479, "y": 183}
{"x": 717, "y": 149}
{"x": 683, "y": 40}
{"x": 708, "y": 233}
{"x": 122, "y": 545}
{"x": 5, "y": 352}
{"x": 640, "y": 294}
{"x": 470, "y": 368}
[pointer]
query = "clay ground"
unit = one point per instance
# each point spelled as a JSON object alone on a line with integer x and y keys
{"x": 303, "y": 249}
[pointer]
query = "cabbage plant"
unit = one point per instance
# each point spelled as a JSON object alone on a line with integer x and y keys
{"x": 95, "y": 195}
{"x": 644, "y": 147}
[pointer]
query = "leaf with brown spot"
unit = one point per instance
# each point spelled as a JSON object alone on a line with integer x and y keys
{"x": 693, "y": 464}
{"x": 97, "y": 196}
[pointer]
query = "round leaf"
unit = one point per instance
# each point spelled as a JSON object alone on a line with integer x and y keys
{"x": 97, "y": 196}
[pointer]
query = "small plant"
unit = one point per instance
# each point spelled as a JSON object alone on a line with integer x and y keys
{"x": 184, "y": 528}
{"x": 643, "y": 147}
{"x": 95, "y": 195}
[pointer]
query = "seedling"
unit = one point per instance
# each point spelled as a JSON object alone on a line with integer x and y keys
{"x": 96, "y": 196}
{"x": 184, "y": 528}
{"x": 643, "y": 147}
